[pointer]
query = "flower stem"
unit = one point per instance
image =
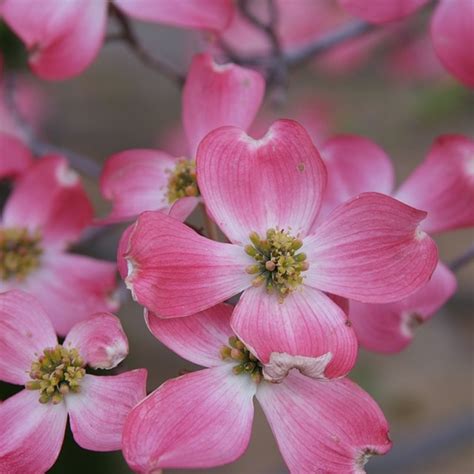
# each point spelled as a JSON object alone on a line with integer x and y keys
{"x": 462, "y": 260}
{"x": 209, "y": 225}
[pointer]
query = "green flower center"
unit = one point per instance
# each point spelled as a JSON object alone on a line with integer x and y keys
{"x": 182, "y": 182}
{"x": 20, "y": 253}
{"x": 279, "y": 265}
{"x": 247, "y": 363}
{"x": 56, "y": 373}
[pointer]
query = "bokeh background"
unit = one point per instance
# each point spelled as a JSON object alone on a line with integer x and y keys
{"x": 426, "y": 391}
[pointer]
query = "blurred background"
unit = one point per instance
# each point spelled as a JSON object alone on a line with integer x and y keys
{"x": 426, "y": 392}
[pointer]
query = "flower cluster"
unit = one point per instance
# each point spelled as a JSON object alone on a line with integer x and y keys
{"x": 52, "y": 28}
{"x": 309, "y": 252}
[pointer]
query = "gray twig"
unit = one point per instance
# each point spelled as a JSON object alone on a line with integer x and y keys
{"x": 80, "y": 162}
{"x": 297, "y": 56}
{"x": 462, "y": 260}
{"x": 277, "y": 68}
{"x": 334, "y": 38}
{"x": 130, "y": 38}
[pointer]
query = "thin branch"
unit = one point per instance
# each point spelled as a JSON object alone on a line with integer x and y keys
{"x": 268, "y": 28}
{"x": 80, "y": 162}
{"x": 209, "y": 225}
{"x": 94, "y": 233}
{"x": 297, "y": 56}
{"x": 334, "y": 38}
{"x": 9, "y": 93}
{"x": 277, "y": 69}
{"x": 129, "y": 36}
{"x": 464, "y": 259}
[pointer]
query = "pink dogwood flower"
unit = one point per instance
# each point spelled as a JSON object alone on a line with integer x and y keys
{"x": 47, "y": 210}
{"x": 57, "y": 386}
{"x": 141, "y": 180}
{"x": 204, "y": 419}
{"x": 64, "y": 36}
{"x": 443, "y": 185}
{"x": 265, "y": 195}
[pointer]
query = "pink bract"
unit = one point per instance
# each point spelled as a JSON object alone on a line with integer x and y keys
{"x": 370, "y": 248}
{"x": 16, "y": 157}
{"x": 55, "y": 28}
{"x": 214, "y": 95}
{"x": 204, "y": 419}
{"x": 354, "y": 165}
{"x": 48, "y": 203}
{"x": 32, "y": 432}
{"x": 443, "y": 185}
{"x": 452, "y": 34}
{"x": 389, "y": 328}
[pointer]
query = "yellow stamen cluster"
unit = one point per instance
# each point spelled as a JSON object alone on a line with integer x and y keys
{"x": 182, "y": 182}
{"x": 56, "y": 373}
{"x": 279, "y": 266}
{"x": 247, "y": 362}
{"x": 20, "y": 253}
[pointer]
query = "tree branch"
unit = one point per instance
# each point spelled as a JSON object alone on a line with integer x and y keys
{"x": 297, "y": 56}
{"x": 80, "y": 162}
{"x": 277, "y": 69}
{"x": 334, "y": 38}
{"x": 129, "y": 36}
{"x": 464, "y": 259}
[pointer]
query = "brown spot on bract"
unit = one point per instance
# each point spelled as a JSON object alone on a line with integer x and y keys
{"x": 300, "y": 167}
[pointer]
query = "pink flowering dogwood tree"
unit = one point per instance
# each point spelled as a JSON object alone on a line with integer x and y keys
{"x": 267, "y": 254}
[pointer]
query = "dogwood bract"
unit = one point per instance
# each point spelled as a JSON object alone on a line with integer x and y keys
{"x": 47, "y": 210}
{"x": 16, "y": 157}
{"x": 265, "y": 195}
{"x": 204, "y": 418}
{"x": 443, "y": 185}
{"x": 142, "y": 180}
{"x": 57, "y": 386}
